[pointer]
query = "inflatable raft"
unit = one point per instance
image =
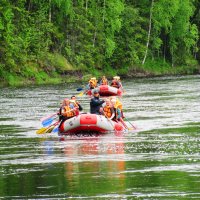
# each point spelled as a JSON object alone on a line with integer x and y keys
{"x": 89, "y": 123}
{"x": 106, "y": 90}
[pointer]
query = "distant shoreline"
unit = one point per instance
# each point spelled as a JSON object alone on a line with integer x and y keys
{"x": 83, "y": 77}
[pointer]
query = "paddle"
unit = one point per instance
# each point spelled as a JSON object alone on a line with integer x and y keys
{"x": 131, "y": 123}
{"x": 107, "y": 118}
{"x": 81, "y": 94}
{"x": 50, "y": 129}
{"x": 47, "y": 122}
{"x": 56, "y": 129}
{"x": 46, "y": 129}
{"x": 41, "y": 131}
{"x": 47, "y": 117}
{"x": 53, "y": 128}
{"x": 124, "y": 124}
{"x": 79, "y": 89}
{"x": 120, "y": 119}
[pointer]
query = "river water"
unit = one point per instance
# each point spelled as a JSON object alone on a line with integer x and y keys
{"x": 159, "y": 160}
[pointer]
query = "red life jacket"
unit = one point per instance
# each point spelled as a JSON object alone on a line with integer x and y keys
{"x": 115, "y": 84}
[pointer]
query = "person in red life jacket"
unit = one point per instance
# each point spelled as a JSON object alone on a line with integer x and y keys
{"x": 115, "y": 83}
{"x": 76, "y": 103}
{"x": 119, "y": 81}
{"x": 108, "y": 109}
{"x": 96, "y": 103}
{"x": 104, "y": 81}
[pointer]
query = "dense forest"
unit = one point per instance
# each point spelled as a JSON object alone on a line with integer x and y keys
{"x": 44, "y": 41}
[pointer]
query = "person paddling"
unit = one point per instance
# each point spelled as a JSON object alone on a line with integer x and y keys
{"x": 67, "y": 111}
{"x": 108, "y": 110}
{"x": 119, "y": 81}
{"x": 76, "y": 103}
{"x": 104, "y": 81}
{"x": 96, "y": 103}
{"x": 92, "y": 83}
{"x": 118, "y": 111}
{"x": 115, "y": 83}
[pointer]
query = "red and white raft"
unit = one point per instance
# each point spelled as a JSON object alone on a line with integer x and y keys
{"x": 89, "y": 123}
{"x": 106, "y": 90}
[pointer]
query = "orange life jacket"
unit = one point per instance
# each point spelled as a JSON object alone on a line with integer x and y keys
{"x": 68, "y": 112}
{"x": 75, "y": 106}
{"x": 107, "y": 111}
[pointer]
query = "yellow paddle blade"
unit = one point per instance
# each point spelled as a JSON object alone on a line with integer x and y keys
{"x": 80, "y": 94}
{"x": 45, "y": 130}
{"x": 41, "y": 131}
{"x": 50, "y": 129}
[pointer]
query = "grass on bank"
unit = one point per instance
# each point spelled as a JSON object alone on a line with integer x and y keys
{"x": 54, "y": 69}
{"x": 158, "y": 68}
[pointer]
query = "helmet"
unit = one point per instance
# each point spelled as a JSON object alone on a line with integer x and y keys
{"x": 95, "y": 91}
{"x": 113, "y": 101}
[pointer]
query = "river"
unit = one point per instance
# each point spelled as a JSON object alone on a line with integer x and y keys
{"x": 159, "y": 160}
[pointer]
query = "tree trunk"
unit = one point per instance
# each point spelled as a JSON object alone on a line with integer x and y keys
{"x": 94, "y": 39}
{"x": 195, "y": 52}
{"x": 50, "y": 11}
{"x": 104, "y": 10}
{"x": 172, "y": 52}
{"x": 164, "y": 56}
{"x": 86, "y": 6}
{"x": 149, "y": 32}
{"x": 29, "y": 6}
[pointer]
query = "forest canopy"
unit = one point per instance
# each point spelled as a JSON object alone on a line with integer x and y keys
{"x": 41, "y": 39}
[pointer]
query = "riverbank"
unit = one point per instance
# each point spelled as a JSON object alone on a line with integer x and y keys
{"x": 56, "y": 69}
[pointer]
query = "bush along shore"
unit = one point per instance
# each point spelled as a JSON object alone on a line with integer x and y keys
{"x": 55, "y": 69}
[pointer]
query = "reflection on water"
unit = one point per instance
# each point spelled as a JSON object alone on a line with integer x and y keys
{"x": 92, "y": 176}
{"x": 158, "y": 161}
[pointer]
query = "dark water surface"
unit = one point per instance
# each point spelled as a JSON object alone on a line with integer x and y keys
{"x": 161, "y": 160}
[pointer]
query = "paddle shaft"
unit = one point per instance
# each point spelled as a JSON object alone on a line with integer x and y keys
{"x": 108, "y": 119}
{"x": 47, "y": 117}
{"x": 122, "y": 121}
{"x": 130, "y": 123}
